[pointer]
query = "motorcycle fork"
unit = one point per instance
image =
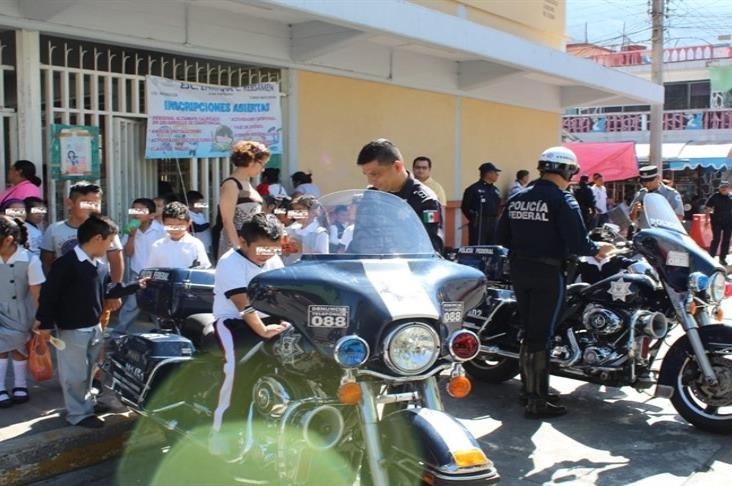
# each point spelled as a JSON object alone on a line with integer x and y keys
{"x": 371, "y": 436}
{"x": 691, "y": 327}
{"x": 431, "y": 394}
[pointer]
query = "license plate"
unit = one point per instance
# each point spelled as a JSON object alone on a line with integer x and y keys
{"x": 677, "y": 259}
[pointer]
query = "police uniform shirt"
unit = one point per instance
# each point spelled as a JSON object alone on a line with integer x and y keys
{"x": 672, "y": 196}
{"x": 480, "y": 194}
{"x": 234, "y": 271}
{"x": 722, "y": 206}
{"x": 544, "y": 222}
{"x": 424, "y": 202}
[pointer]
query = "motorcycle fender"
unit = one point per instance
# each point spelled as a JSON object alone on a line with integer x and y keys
{"x": 432, "y": 437}
{"x": 715, "y": 337}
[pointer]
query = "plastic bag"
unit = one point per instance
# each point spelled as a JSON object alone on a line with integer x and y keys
{"x": 39, "y": 358}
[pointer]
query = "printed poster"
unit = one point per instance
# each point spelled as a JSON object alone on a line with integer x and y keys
{"x": 187, "y": 120}
{"x": 74, "y": 152}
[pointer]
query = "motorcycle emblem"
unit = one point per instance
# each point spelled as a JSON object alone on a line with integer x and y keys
{"x": 288, "y": 349}
{"x": 619, "y": 289}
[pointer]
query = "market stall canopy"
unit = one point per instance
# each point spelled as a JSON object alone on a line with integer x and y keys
{"x": 679, "y": 156}
{"x": 615, "y": 161}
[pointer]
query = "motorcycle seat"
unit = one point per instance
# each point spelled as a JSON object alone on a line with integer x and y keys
{"x": 199, "y": 328}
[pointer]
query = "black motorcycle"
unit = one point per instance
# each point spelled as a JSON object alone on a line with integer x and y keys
{"x": 611, "y": 331}
{"x": 351, "y": 389}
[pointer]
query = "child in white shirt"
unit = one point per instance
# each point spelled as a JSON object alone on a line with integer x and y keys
{"x": 178, "y": 249}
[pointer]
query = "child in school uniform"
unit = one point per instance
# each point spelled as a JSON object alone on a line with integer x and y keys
{"x": 138, "y": 243}
{"x": 238, "y": 326}
{"x": 179, "y": 249}
{"x": 71, "y": 302}
{"x": 35, "y": 217}
{"x": 21, "y": 276}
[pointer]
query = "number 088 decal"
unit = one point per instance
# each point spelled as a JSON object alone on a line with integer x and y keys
{"x": 452, "y": 312}
{"x": 328, "y": 316}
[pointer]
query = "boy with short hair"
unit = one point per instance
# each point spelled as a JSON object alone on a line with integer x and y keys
{"x": 71, "y": 301}
{"x": 200, "y": 227}
{"x": 143, "y": 231}
{"x": 178, "y": 249}
{"x": 239, "y": 328}
{"x": 59, "y": 238}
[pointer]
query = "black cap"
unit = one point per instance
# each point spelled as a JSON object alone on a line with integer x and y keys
{"x": 724, "y": 184}
{"x": 648, "y": 173}
{"x": 488, "y": 167}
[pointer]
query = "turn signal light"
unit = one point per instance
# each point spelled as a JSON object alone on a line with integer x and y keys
{"x": 349, "y": 393}
{"x": 718, "y": 313}
{"x": 459, "y": 387}
{"x": 472, "y": 457}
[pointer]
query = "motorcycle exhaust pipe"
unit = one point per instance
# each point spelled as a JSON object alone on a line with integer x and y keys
{"x": 323, "y": 427}
{"x": 653, "y": 324}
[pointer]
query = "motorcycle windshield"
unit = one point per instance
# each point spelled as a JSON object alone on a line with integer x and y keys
{"x": 659, "y": 214}
{"x": 354, "y": 223}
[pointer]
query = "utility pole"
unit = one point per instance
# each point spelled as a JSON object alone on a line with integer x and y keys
{"x": 658, "y": 10}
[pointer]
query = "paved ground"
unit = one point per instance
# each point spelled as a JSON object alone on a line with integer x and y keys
{"x": 612, "y": 437}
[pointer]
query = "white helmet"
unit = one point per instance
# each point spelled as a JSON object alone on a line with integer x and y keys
{"x": 559, "y": 160}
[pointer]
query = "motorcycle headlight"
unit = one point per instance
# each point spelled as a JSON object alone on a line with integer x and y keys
{"x": 717, "y": 286}
{"x": 411, "y": 348}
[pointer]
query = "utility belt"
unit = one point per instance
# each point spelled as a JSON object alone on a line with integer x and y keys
{"x": 553, "y": 262}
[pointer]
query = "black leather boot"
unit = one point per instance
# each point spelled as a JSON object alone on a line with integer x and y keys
{"x": 523, "y": 365}
{"x": 537, "y": 387}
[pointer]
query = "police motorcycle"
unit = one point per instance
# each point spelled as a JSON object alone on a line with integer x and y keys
{"x": 611, "y": 332}
{"x": 355, "y": 379}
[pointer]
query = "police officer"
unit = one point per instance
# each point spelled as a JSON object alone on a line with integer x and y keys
{"x": 481, "y": 204}
{"x": 650, "y": 179}
{"x": 542, "y": 226}
{"x": 720, "y": 207}
{"x": 382, "y": 164}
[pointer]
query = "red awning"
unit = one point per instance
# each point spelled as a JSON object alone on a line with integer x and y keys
{"x": 616, "y": 161}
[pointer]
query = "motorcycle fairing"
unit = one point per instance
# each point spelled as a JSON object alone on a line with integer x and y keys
{"x": 375, "y": 296}
{"x": 655, "y": 245}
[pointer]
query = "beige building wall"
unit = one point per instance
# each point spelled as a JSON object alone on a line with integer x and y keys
{"x": 541, "y": 21}
{"x": 337, "y": 116}
{"x": 510, "y": 137}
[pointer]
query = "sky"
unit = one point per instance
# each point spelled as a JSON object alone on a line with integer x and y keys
{"x": 689, "y": 22}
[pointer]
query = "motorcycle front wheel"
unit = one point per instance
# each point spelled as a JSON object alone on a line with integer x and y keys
{"x": 706, "y": 407}
{"x": 492, "y": 369}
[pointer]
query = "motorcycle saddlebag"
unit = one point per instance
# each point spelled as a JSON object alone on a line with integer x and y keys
{"x": 138, "y": 363}
{"x": 492, "y": 260}
{"x": 176, "y": 293}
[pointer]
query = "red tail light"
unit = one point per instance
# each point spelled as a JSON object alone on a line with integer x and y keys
{"x": 464, "y": 345}
{"x": 728, "y": 289}
{"x": 645, "y": 347}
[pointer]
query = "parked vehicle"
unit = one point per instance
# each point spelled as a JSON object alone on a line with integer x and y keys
{"x": 611, "y": 332}
{"x": 374, "y": 326}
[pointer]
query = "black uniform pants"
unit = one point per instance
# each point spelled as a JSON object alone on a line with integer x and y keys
{"x": 540, "y": 293}
{"x": 720, "y": 234}
{"x": 482, "y": 233}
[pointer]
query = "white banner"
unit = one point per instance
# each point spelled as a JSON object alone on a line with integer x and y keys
{"x": 200, "y": 120}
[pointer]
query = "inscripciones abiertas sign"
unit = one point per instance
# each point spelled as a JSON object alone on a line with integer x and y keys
{"x": 199, "y": 120}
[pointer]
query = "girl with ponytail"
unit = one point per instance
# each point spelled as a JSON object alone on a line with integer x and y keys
{"x": 21, "y": 276}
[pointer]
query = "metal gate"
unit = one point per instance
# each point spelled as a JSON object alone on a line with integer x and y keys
{"x": 93, "y": 84}
{"x": 8, "y": 126}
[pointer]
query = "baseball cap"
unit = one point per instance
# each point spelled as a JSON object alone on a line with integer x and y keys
{"x": 488, "y": 167}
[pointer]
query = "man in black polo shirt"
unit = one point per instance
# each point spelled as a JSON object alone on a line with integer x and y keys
{"x": 720, "y": 207}
{"x": 382, "y": 163}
